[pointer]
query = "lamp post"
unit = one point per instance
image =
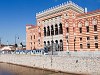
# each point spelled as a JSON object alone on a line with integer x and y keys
{"x": 16, "y": 36}
{"x": 52, "y": 41}
{"x": 52, "y": 46}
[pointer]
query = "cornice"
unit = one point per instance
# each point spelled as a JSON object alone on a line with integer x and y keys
{"x": 59, "y": 8}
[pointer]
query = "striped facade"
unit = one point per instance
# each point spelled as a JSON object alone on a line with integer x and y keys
{"x": 68, "y": 27}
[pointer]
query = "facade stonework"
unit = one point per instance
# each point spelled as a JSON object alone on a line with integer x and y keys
{"x": 68, "y": 27}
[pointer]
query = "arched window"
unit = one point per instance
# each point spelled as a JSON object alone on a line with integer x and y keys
{"x": 56, "y": 45}
{"x": 44, "y": 43}
{"x": 52, "y": 42}
{"x": 56, "y": 29}
{"x": 94, "y": 22}
{"x": 61, "y": 45}
{"x": 44, "y": 31}
{"x": 87, "y": 26}
{"x": 48, "y": 31}
{"x": 80, "y": 27}
{"x": 52, "y": 30}
{"x": 60, "y": 29}
{"x": 48, "y": 43}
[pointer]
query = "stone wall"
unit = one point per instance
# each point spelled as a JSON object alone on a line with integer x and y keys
{"x": 72, "y": 64}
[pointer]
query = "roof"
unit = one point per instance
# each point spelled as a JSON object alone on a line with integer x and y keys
{"x": 31, "y": 26}
{"x": 88, "y": 13}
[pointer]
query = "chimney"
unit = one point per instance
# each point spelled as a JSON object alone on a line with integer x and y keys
{"x": 85, "y": 10}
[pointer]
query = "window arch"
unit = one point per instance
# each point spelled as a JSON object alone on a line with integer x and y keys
{"x": 94, "y": 22}
{"x": 87, "y": 26}
{"x": 86, "y": 23}
{"x": 79, "y": 24}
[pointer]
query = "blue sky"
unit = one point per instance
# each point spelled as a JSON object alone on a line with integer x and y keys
{"x": 15, "y": 14}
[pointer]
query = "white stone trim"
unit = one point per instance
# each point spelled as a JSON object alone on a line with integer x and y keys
{"x": 61, "y": 7}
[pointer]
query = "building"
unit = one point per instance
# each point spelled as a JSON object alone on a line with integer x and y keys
{"x": 68, "y": 27}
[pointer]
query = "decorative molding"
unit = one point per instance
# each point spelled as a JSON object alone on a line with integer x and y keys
{"x": 59, "y": 8}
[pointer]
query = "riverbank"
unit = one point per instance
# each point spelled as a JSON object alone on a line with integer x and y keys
{"x": 68, "y": 64}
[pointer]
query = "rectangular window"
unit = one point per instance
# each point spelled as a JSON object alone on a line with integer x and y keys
{"x": 88, "y": 38}
{"x": 67, "y": 30}
{"x": 31, "y": 48}
{"x": 80, "y": 39}
{"x": 31, "y": 37}
{"x": 34, "y": 36}
{"x": 88, "y": 45}
{"x": 80, "y": 29}
{"x": 31, "y": 43}
{"x": 96, "y": 45}
{"x": 87, "y": 28}
{"x": 95, "y": 27}
{"x": 39, "y": 34}
{"x": 81, "y": 46}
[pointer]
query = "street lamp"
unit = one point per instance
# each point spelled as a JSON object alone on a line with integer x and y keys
{"x": 16, "y": 36}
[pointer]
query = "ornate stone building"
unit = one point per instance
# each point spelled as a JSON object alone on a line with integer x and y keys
{"x": 66, "y": 27}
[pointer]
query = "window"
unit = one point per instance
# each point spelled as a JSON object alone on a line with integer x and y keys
{"x": 96, "y": 37}
{"x": 88, "y": 45}
{"x": 88, "y": 38}
{"x": 80, "y": 39}
{"x": 39, "y": 34}
{"x": 95, "y": 27}
{"x": 39, "y": 41}
{"x": 66, "y": 37}
{"x": 44, "y": 31}
{"x": 56, "y": 29}
{"x": 81, "y": 46}
{"x": 80, "y": 29}
{"x": 87, "y": 28}
{"x": 48, "y": 31}
{"x": 52, "y": 30}
{"x": 31, "y": 48}
{"x": 31, "y": 43}
{"x": 34, "y": 36}
{"x": 60, "y": 29}
{"x": 96, "y": 45}
{"x": 31, "y": 37}
{"x": 67, "y": 30}
{"x": 44, "y": 43}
